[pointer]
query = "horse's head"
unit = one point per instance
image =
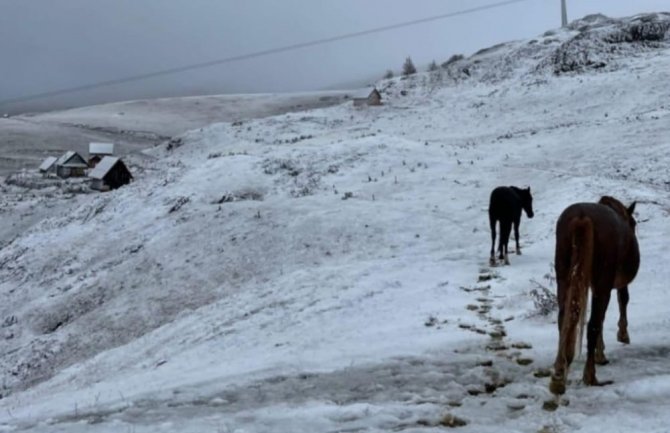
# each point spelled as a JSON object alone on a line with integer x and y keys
{"x": 526, "y": 201}
{"x": 624, "y": 212}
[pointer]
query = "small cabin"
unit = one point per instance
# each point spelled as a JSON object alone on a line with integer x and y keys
{"x": 97, "y": 151}
{"x": 110, "y": 173}
{"x": 48, "y": 167}
{"x": 367, "y": 97}
{"x": 71, "y": 164}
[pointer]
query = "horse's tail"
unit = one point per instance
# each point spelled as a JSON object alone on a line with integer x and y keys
{"x": 579, "y": 280}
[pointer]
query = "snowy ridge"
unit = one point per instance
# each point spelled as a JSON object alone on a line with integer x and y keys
{"x": 594, "y": 42}
{"x": 326, "y": 270}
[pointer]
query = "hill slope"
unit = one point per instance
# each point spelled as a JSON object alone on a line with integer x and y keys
{"x": 134, "y": 125}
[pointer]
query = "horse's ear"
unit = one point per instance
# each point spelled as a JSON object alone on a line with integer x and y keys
{"x": 631, "y": 208}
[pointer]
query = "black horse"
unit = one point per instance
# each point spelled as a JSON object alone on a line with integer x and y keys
{"x": 505, "y": 206}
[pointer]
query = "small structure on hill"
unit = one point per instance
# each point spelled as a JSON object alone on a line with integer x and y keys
{"x": 48, "y": 166}
{"x": 97, "y": 151}
{"x": 71, "y": 164}
{"x": 110, "y": 173}
{"x": 367, "y": 97}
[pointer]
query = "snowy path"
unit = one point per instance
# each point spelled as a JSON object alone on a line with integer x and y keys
{"x": 493, "y": 383}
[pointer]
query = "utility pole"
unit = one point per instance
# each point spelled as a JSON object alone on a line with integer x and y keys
{"x": 564, "y": 14}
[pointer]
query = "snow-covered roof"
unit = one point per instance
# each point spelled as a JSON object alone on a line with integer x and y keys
{"x": 103, "y": 167}
{"x": 101, "y": 148}
{"x": 363, "y": 93}
{"x": 67, "y": 158}
{"x": 48, "y": 163}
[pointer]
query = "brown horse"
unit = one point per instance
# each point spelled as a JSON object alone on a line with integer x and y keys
{"x": 596, "y": 247}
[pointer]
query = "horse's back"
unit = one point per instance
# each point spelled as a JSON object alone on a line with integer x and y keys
{"x": 602, "y": 217}
{"x": 504, "y": 201}
{"x": 502, "y": 193}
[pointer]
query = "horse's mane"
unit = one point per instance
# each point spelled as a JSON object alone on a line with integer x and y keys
{"x": 615, "y": 205}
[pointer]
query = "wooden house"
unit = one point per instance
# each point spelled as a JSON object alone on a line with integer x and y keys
{"x": 367, "y": 97}
{"x": 97, "y": 151}
{"x": 110, "y": 173}
{"x": 71, "y": 164}
{"x": 48, "y": 167}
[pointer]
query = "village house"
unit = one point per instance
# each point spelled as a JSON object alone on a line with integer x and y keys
{"x": 109, "y": 173}
{"x": 48, "y": 167}
{"x": 367, "y": 97}
{"x": 71, "y": 164}
{"x": 97, "y": 151}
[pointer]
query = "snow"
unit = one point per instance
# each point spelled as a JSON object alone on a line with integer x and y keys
{"x": 101, "y": 148}
{"x": 48, "y": 163}
{"x": 135, "y": 125}
{"x": 68, "y": 156}
{"x": 327, "y": 270}
{"x": 172, "y": 116}
{"x": 103, "y": 167}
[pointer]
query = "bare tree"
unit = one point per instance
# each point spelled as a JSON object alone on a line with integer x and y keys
{"x": 408, "y": 67}
{"x": 432, "y": 66}
{"x": 388, "y": 74}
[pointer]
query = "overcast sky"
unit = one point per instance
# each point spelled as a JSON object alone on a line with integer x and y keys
{"x": 48, "y": 45}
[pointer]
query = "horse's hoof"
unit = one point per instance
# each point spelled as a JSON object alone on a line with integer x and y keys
{"x": 623, "y": 337}
{"x": 590, "y": 380}
{"x": 596, "y": 382}
{"x": 557, "y": 385}
{"x": 601, "y": 360}
{"x": 518, "y": 252}
{"x": 599, "y": 357}
{"x": 492, "y": 261}
{"x": 506, "y": 261}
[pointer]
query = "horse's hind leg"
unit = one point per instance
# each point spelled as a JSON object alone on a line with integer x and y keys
{"x": 562, "y": 363}
{"x": 516, "y": 235}
{"x": 492, "y": 257}
{"x": 600, "y": 357}
{"x": 622, "y": 296}
{"x": 505, "y": 229}
{"x": 601, "y": 297}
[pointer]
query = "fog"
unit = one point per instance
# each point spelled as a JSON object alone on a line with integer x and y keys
{"x": 47, "y": 46}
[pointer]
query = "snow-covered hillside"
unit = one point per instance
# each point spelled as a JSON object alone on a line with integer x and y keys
{"x": 135, "y": 125}
{"x": 326, "y": 271}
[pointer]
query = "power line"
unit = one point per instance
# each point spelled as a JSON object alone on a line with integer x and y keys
{"x": 261, "y": 53}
